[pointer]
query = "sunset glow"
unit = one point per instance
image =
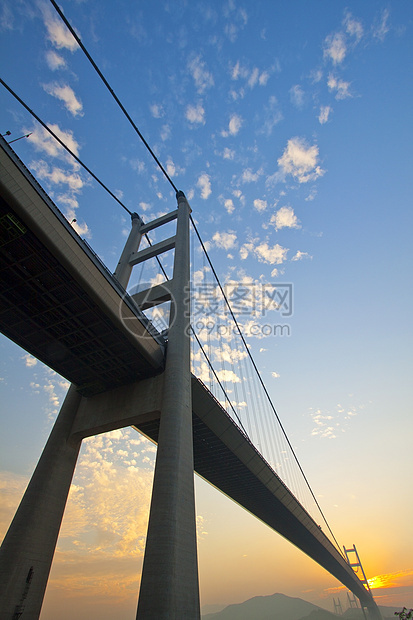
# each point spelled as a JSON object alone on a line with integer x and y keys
{"x": 288, "y": 125}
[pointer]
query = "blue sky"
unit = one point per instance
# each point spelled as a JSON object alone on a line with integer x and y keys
{"x": 289, "y": 128}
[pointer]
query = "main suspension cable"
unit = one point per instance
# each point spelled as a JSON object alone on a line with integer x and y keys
{"x": 112, "y": 92}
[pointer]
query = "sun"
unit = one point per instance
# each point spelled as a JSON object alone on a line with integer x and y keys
{"x": 381, "y": 581}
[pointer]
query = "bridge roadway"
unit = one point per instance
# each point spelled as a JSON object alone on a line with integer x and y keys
{"x": 61, "y": 304}
{"x": 57, "y": 299}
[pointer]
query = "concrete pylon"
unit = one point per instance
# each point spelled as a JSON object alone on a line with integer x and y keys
{"x": 124, "y": 268}
{"x": 169, "y": 585}
{"x": 27, "y": 551}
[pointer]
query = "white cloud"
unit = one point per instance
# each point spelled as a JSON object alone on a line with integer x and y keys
{"x": 165, "y": 132}
{"x": 173, "y": 169}
{"x": 341, "y": 87}
{"x": 300, "y": 161}
{"x": 239, "y": 19}
{"x": 204, "y": 184}
{"x": 66, "y": 94}
{"x": 381, "y": 28}
{"x": 272, "y": 116}
{"x": 202, "y": 77}
{"x": 44, "y": 141}
{"x": 260, "y": 205}
{"x": 234, "y": 125}
{"x": 170, "y": 167}
{"x": 6, "y": 18}
{"x": 316, "y": 76}
{"x": 276, "y": 375}
{"x": 29, "y": 360}
{"x": 228, "y": 375}
{"x": 228, "y": 353}
{"x": 325, "y": 111}
{"x": 238, "y": 71}
{"x": 335, "y": 47}
{"x": 57, "y": 176}
{"x": 263, "y": 79}
{"x": 297, "y": 96}
{"x": 228, "y": 153}
{"x": 57, "y": 32}
{"x": 285, "y": 218}
{"x": 248, "y": 176}
{"x": 225, "y": 240}
{"x": 245, "y": 250}
{"x": 195, "y": 114}
{"x": 274, "y": 255}
{"x": 137, "y": 165}
{"x": 300, "y": 255}
{"x": 312, "y": 194}
{"x": 55, "y": 61}
{"x": 353, "y": 27}
{"x": 322, "y": 428}
{"x": 157, "y": 110}
{"x": 71, "y": 204}
{"x": 252, "y": 77}
{"x": 229, "y": 206}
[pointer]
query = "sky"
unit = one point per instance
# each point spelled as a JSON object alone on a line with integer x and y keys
{"x": 289, "y": 128}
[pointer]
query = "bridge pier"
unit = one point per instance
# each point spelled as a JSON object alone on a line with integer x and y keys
{"x": 169, "y": 585}
{"x": 27, "y": 551}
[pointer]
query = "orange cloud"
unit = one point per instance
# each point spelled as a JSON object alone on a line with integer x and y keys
{"x": 400, "y": 579}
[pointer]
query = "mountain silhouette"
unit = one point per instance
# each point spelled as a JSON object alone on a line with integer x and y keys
{"x": 275, "y": 607}
{"x": 282, "y": 607}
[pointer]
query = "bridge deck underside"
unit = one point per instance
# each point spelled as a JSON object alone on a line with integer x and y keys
{"x": 45, "y": 311}
{"x": 57, "y": 301}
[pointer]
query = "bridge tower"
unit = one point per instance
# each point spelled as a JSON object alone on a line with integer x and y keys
{"x": 352, "y": 601}
{"x": 354, "y": 561}
{"x": 169, "y": 586}
{"x": 337, "y": 607}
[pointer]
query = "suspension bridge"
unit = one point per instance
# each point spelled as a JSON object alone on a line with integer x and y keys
{"x": 135, "y": 359}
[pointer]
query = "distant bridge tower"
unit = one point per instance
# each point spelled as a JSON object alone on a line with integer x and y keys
{"x": 354, "y": 561}
{"x": 337, "y": 607}
{"x": 169, "y": 585}
{"x": 352, "y": 601}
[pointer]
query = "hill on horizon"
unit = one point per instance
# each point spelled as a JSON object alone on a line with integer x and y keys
{"x": 273, "y": 607}
{"x": 282, "y": 607}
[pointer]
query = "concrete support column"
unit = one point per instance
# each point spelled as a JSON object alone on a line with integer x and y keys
{"x": 124, "y": 269}
{"x": 27, "y": 551}
{"x": 169, "y": 586}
